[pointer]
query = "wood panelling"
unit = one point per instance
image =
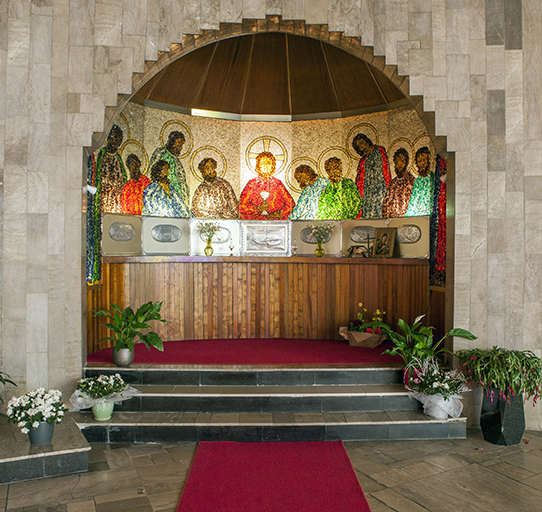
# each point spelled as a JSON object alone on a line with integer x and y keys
{"x": 214, "y": 298}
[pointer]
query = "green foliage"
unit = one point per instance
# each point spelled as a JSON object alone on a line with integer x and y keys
{"x": 127, "y": 325}
{"x": 430, "y": 379}
{"x": 509, "y": 371}
{"x": 417, "y": 341}
{"x": 4, "y": 379}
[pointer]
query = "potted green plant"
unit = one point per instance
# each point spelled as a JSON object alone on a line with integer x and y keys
{"x": 4, "y": 379}
{"x": 416, "y": 343}
{"x": 507, "y": 378}
{"x": 100, "y": 394}
{"x": 361, "y": 333}
{"x": 127, "y": 325}
{"x": 36, "y": 413}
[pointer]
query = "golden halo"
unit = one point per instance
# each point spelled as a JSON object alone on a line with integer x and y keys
{"x": 417, "y": 145}
{"x": 291, "y": 169}
{"x": 141, "y": 153}
{"x": 266, "y": 143}
{"x": 351, "y": 135}
{"x": 405, "y": 143}
{"x": 124, "y": 126}
{"x": 189, "y": 141}
{"x": 209, "y": 152}
{"x": 338, "y": 152}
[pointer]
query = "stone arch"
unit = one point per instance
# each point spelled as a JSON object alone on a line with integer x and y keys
{"x": 321, "y": 32}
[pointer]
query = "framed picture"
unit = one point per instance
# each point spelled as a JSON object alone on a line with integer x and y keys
{"x": 265, "y": 238}
{"x": 166, "y": 235}
{"x": 384, "y": 243}
{"x": 121, "y": 235}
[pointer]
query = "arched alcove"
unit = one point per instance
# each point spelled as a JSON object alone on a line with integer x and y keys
{"x": 351, "y": 46}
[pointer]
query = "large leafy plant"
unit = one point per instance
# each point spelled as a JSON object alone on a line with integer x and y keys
{"x": 128, "y": 325}
{"x": 508, "y": 371}
{"x": 417, "y": 342}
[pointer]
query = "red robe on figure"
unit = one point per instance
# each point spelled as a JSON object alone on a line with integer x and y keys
{"x": 132, "y": 195}
{"x": 279, "y": 200}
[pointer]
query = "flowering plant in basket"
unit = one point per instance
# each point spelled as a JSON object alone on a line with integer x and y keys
{"x": 361, "y": 325}
{"x": 430, "y": 379}
{"x": 102, "y": 386}
{"x": 100, "y": 390}
{"x": 28, "y": 410}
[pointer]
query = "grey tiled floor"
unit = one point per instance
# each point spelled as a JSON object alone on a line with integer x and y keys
{"x": 404, "y": 476}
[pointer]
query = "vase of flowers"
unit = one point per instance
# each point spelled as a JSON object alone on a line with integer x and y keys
{"x": 322, "y": 234}
{"x": 36, "y": 413}
{"x": 207, "y": 231}
{"x": 438, "y": 389}
{"x": 100, "y": 394}
{"x": 363, "y": 333}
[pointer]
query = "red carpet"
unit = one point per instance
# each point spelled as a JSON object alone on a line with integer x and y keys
{"x": 278, "y": 351}
{"x": 272, "y": 477}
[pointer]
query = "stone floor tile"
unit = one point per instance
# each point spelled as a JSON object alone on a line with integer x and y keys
{"x": 165, "y": 501}
{"x": 446, "y": 462}
{"x": 396, "y": 501}
{"x": 45, "y": 491}
{"x": 226, "y": 418}
{"x": 138, "y": 450}
{"x": 143, "y": 460}
{"x": 107, "y": 482}
{"x": 85, "y": 505}
{"x": 118, "y": 459}
{"x": 257, "y": 418}
{"x": 161, "y": 458}
{"x": 392, "y": 477}
{"x": 182, "y": 452}
{"x": 163, "y": 477}
{"x": 512, "y": 471}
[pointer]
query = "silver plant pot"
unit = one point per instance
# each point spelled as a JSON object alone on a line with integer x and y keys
{"x": 123, "y": 357}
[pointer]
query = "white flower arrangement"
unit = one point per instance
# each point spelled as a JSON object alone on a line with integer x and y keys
{"x": 28, "y": 410}
{"x": 100, "y": 390}
{"x": 320, "y": 232}
{"x": 208, "y": 229}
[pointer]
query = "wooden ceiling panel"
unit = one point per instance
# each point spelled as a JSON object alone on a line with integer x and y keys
{"x": 179, "y": 83}
{"x": 223, "y": 87}
{"x": 267, "y": 84}
{"x": 311, "y": 86}
{"x": 354, "y": 82}
{"x": 271, "y": 74}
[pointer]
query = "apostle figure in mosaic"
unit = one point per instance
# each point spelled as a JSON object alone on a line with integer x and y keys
{"x": 214, "y": 198}
{"x": 105, "y": 179}
{"x": 396, "y": 200}
{"x": 170, "y": 153}
{"x": 312, "y": 187}
{"x": 160, "y": 199}
{"x": 265, "y": 197}
{"x": 340, "y": 199}
{"x": 373, "y": 177}
{"x": 421, "y": 199}
{"x": 132, "y": 193}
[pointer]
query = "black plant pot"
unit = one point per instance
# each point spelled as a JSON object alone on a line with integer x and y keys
{"x": 503, "y": 423}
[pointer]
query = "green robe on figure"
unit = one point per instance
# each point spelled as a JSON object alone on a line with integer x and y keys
{"x": 340, "y": 200}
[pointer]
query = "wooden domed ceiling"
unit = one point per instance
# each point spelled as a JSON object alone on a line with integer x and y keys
{"x": 272, "y": 74}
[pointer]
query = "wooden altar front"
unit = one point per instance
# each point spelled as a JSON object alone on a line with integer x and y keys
{"x": 259, "y": 297}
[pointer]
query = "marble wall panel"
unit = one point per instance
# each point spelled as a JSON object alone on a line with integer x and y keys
{"x": 81, "y": 22}
{"x": 92, "y": 104}
{"x": 532, "y": 59}
{"x": 533, "y": 188}
{"x": 533, "y": 277}
{"x": 479, "y": 183}
{"x": 458, "y": 31}
{"x": 59, "y": 67}
{"x": 291, "y": 9}
{"x": 16, "y": 91}
{"x": 134, "y": 17}
{"x": 495, "y": 332}
{"x": 513, "y": 26}
{"x": 495, "y": 67}
{"x": 421, "y": 61}
{"x": 38, "y": 196}
{"x": 403, "y": 47}
{"x": 352, "y": 16}
{"x": 40, "y": 39}
{"x": 231, "y": 10}
{"x": 151, "y": 41}
{"x": 496, "y": 113}
{"x": 55, "y": 229}
{"x": 478, "y": 100}
{"x": 478, "y": 326}
{"x": 36, "y": 258}
{"x": 61, "y": 21}
{"x": 367, "y": 23}
{"x": 438, "y": 17}
{"x": 78, "y": 130}
{"x": 458, "y": 77}
{"x": 532, "y": 329}
{"x": 256, "y": 8}
{"x": 16, "y": 141}
{"x": 514, "y": 167}
{"x": 495, "y": 22}
{"x": 420, "y": 28}
{"x": 495, "y": 287}
{"x": 18, "y": 41}
{"x": 80, "y": 67}
{"x": 513, "y": 70}
{"x": 514, "y": 120}
{"x": 533, "y": 221}
{"x": 439, "y": 59}
{"x": 532, "y": 156}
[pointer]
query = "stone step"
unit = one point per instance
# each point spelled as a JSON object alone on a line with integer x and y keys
{"x": 193, "y": 427}
{"x": 249, "y": 376}
{"x": 315, "y": 398}
{"x": 19, "y": 460}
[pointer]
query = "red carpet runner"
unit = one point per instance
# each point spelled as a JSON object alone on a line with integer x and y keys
{"x": 272, "y": 477}
{"x": 277, "y": 351}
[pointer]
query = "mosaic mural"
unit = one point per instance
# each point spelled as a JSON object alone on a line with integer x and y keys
{"x": 364, "y": 177}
